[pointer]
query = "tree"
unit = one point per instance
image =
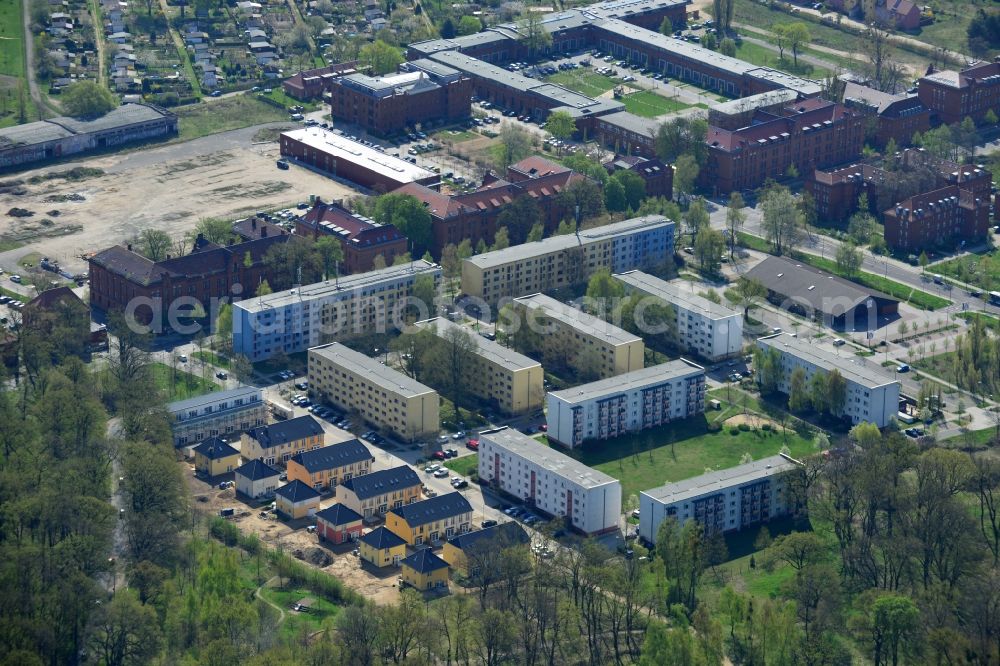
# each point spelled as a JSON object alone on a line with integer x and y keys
{"x": 126, "y": 631}
{"x": 797, "y": 35}
{"x": 520, "y": 217}
{"x": 709, "y": 41}
{"x": 410, "y": 216}
{"x": 534, "y": 35}
{"x": 469, "y": 25}
{"x": 767, "y": 363}
{"x": 883, "y": 69}
{"x": 780, "y": 219}
{"x": 747, "y": 292}
{"x": 514, "y": 145}
{"x": 501, "y": 240}
{"x": 798, "y": 394}
{"x": 818, "y": 391}
{"x": 686, "y": 171}
{"x": 780, "y": 32}
{"x": 584, "y": 193}
{"x": 293, "y": 262}
{"x": 798, "y": 549}
{"x": 634, "y": 186}
{"x": 215, "y": 230}
{"x": 87, "y": 99}
{"x": 153, "y": 244}
{"x": 682, "y": 136}
{"x": 614, "y": 197}
{"x": 452, "y": 358}
{"x": 836, "y": 387}
{"x": 696, "y": 217}
{"x": 680, "y": 548}
{"x": 735, "y": 217}
{"x": 264, "y": 288}
{"x": 331, "y": 252}
{"x": 380, "y": 58}
{"x": 603, "y": 288}
{"x": 537, "y": 232}
{"x": 447, "y": 29}
{"x": 560, "y": 124}
{"x": 727, "y": 47}
{"x": 709, "y": 246}
{"x": 848, "y": 259}
{"x": 889, "y": 626}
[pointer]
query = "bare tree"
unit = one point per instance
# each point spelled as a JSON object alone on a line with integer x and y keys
{"x": 883, "y": 70}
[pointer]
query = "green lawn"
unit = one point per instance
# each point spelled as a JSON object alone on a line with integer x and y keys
{"x": 755, "y": 54}
{"x": 465, "y": 465}
{"x": 278, "y": 95}
{"x": 455, "y": 136}
{"x": 181, "y": 386}
{"x": 212, "y": 359}
{"x": 990, "y": 321}
{"x": 320, "y": 610}
{"x": 584, "y": 81}
{"x": 650, "y": 105}
{"x": 979, "y": 269}
{"x": 11, "y": 39}
{"x": 228, "y": 114}
{"x": 916, "y": 297}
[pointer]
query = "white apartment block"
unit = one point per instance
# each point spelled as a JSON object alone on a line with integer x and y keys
{"x": 385, "y": 398}
{"x": 619, "y": 350}
{"x": 510, "y": 381}
{"x": 710, "y": 330}
{"x": 872, "y": 395}
{"x": 559, "y": 261}
{"x": 721, "y": 501}
{"x": 217, "y": 414}
{"x": 627, "y": 403}
{"x": 296, "y": 319}
{"x": 549, "y": 480}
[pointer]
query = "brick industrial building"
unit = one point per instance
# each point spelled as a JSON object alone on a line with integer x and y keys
{"x": 657, "y": 175}
{"x": 939, "y": 217}
{"x": 390, "y": 103}
{"x": 897, "y": 117}
{"x": 312, "y": 83}
{"x": 362, "y": 239}
{"x": 474, "y": 215}
{"x": 811, "y": 133}
{"x": 349, "y": 160}
{"x": 971, "y": 92}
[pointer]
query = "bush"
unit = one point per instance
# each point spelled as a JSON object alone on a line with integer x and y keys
{"x": 766, "y": 427}
{"x": 733, "y": 430}
{"x": 744, "y": 427}
{"x": 714, "y": 427}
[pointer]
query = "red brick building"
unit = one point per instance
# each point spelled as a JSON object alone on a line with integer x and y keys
{"x": 361, "y": 238}
{"x": 953, "y": 96}
{"x": 941, "y": 217}
{"x": 809, "y": 134}
{"x": 474, "y": 215}
{"x": 387, "y": 104}
{"x": 628, "y": 133}
{"x": 338, "y": 524}
{"x": 119, "y": 276}
{"x": 658, "y": 176}
{"x": 896, "y": 117}
{"x": 312, "y": 83}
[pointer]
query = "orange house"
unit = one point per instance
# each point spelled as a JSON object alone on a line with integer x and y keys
{"x": 328, "y": 467}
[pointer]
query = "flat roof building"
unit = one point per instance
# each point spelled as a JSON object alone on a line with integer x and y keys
{"x": 511, "y": 382}
{"x": 609, "y": 349}
{"x": 384, "y": 397}
{"x": 721, "y": 501}
{"x": 872, "y": 395}
{"x": 352, "y": 161}
{"x": 296, "y": 319}
{"x": 217, "y": 413}
{"x": 550, "y": 481}
{"x": 560, "y": 261}
{"x": 708, "y": 329}
{"x": 635, "y": 401}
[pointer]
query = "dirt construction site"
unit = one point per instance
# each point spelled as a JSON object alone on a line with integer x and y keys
{"x": 169, "y": 187}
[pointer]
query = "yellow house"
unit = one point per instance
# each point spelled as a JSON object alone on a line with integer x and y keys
{"x": 381, "y": 548}
{"x": 425, "y": 571}
{"x": 372, "y": 495}
{"x": 431, "y": 520}
{"x": 296, "y": 500}
{"x": 473, "y": 545}
{"x": 330, "y": 466}
{"x": 278, "y": 442}
{"x": 214, "y": 457}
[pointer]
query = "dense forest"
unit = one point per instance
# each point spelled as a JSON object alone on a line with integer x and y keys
{"x": 892, "y": 558}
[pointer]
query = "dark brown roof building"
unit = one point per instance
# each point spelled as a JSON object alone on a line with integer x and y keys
{"x": 361, "y": 238}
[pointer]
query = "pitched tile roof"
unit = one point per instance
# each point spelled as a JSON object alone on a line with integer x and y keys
{"x": 382, "y": 481}
{"x": 382, "y": 538}
{"x": 425, "y": 561}
{"x": 333, "y": 456}
{"x": 338, "y": 514}
{"x": 296, "y": 492}
{"x": 503, "y": 535}
{"x": 433, "y": 509}
{"x": 284, "y": 432}
{"x": 256, "y": 470}
{"x": 214, "y": 449}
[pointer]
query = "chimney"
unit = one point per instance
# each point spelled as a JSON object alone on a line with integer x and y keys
{"x": 129, "y": 247}
{"x": 253, "y": 222}
{"x": 263, "y": 231}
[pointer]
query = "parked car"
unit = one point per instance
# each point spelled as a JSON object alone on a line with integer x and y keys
{"x": 439, "y": 455}
{"x": 472, "y": 444}
{"x": 441, "y": 473}
{"x": 222, "y": 375}
{"x": 433, "y": 467}
{"x": 488, "y": 523}
{"x": 451, "y": 453}
{"x": 903, "y": 367}
{"x": 458, "y": 435}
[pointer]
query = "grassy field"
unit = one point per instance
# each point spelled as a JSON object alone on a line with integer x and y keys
{"x": 979, "y": 269}
{"x": 464, "y": 466}
{"x": 320, "y": 611}
{"x": 11, "y": 39}
{"x": 455, "y": 136}
{"x": 940, "y": 365}
{"x": 650, "y": 105}
{"x": 212, "y": 359}
{"x": 990, "y": 321}
{"x": 278, "y": 95}
{"x": 181, "y": 386}
{"x": 583, "y": 81}
{"x": 228, "y": 114}
{"x": 915, "y": 297}
{"x": 755, "y": 54}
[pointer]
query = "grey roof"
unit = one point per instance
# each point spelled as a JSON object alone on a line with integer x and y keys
{"x": 806, "y": 285}
{"x": 485, "y": 70}
{"x": 692, "y": 52}
{"x": 32, "y": 133}
{"x": 677, "y": 292}
{"x": 357, "y": 153}
{"x": 342, "y": 285}
{"x": 630, "y": 381}
{"x": 382, "y": 482}
{"x": 489, "y": 350}
{"x": 284, "y": 432}
{"x": 383, "y": 376}
{"x": 123, "y": 116}
{"x": 425, "y": 561}
{"x": 214, "y": 449}
{"x": 296, "y": 492}
{"x": 807, "y": 87}
{"x": 565, "y": 242}
{"x": 432, "y": 67}
{"x": 619, "y": 8}
{"x": 434, "y": 509}
{"x": 214, "y": 397}
{"x": 502, "y": 535}
{"x": 746, "y": 104}
{"x": 338, "y": 514}
{"x": 579, "y": 320}
{"x": 857, "y": 369}
{"x": 381, "y": 538}
{"x": 333, "y": 456}
{"x": 723, "y": 479}
{"x": 537, "y": 453}
{"x": 877, "y": 99}
{"x": 257, "y": 469}
{"x": 632, "y": 123}
{"x": 381, "y": 86}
